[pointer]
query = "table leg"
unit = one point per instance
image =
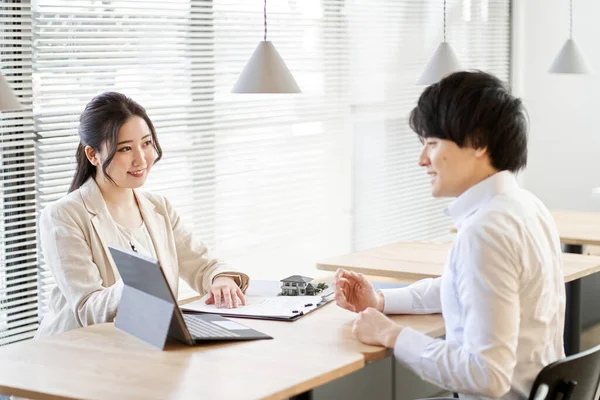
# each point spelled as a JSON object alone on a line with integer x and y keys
{"x": 308, "y": 395}
{"x": 394, "y": 361}
{"x": 572, "y": 336}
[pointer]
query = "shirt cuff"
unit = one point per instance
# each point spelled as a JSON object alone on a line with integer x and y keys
{"x": 409, "y": 347}
{"x": 397, "y": 301}
{"x": 242, "y": 280}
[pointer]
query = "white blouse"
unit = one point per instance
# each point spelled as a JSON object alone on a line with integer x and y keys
{"x": 139, "y": 239}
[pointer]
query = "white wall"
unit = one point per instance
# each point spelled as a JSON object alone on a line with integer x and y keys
{"x": 564, "y": 144}
{"x": 564, "y": 147}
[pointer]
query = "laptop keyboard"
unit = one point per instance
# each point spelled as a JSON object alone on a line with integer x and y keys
{"x": 200, "y": 328}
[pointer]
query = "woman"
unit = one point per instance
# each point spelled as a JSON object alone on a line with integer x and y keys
{"x": 118, "y": 147}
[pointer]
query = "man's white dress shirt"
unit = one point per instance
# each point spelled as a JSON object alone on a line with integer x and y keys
{"x": 502, "y": 296}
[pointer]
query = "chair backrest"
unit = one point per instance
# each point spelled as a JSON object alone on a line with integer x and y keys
{"x": 576, "y": 377}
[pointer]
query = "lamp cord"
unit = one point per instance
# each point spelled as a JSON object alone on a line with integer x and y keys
{"x": 444, "y": 20}
{"x": 265, "y": 20}
{"x": 570, "y": 20}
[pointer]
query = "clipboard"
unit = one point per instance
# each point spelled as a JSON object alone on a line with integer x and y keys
{"x": 263, "y": 303}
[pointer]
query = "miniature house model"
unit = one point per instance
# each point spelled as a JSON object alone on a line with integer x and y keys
{"x": 297, "y": 285}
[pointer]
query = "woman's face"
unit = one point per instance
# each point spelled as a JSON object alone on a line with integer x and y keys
{"x": 135, "y": 154}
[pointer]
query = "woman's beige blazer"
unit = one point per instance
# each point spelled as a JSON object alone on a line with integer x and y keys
{"x": 75, "y": 233}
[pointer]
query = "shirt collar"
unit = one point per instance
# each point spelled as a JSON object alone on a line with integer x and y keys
{"x": 479, "y": 194}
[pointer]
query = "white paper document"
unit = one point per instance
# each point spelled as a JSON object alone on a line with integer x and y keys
{"x": 261, "y": 306}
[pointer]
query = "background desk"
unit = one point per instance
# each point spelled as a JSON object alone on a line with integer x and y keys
{"x": 100, "y": 362}
{"x": 576, "y": 230}
{"x": 414, "y": 260}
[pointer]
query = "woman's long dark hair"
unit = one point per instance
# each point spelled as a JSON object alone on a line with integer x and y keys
{"x": 99, "y": 124}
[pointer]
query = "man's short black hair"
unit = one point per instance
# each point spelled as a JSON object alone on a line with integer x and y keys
{"x": 475, "y": 109}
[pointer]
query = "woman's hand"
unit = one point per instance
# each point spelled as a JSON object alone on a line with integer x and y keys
{"x": 225, "y": 292}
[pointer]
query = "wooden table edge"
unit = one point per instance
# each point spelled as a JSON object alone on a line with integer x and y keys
{"x": 580, "y": 242}
{"x": 30, "y": 394}
{"x": 418, "y": 276}
{"x": 378, "y": 272}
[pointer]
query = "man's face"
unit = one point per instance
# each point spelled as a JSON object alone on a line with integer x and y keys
{"x": 452, "y": 169}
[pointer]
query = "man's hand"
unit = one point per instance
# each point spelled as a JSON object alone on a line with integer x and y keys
{"x": 355, "y": 293}
{"x": 372, "y": 327}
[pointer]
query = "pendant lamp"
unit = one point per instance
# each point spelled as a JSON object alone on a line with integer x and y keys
{"x": 570, "y": 60}
{"x": 442, "y": 63}
{"x": 266, "y": 72}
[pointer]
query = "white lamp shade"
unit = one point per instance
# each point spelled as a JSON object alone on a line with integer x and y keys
{"x": 570, "y": 60}
{"x": 443, "y": 63}
{"x": 8, "y": 100}
{"x": 266, "y": 72}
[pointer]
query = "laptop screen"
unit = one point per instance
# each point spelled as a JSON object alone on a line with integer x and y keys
{"x": 141, "y": 273}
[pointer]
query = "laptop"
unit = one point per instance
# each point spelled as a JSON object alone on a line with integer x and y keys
{"x": 149, "y": 311}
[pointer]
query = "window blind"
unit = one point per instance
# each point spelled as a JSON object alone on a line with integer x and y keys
{"x": 18, "y": 255}
{"x": 390, "y": 43}
{"x": 157, "y": 52}
{"x": 271, "y": 183}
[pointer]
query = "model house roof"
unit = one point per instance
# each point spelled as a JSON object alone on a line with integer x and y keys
{"x": 297, "y": 278}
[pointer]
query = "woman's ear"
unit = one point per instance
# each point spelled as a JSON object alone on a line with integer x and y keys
{"x": 92, "y": 156}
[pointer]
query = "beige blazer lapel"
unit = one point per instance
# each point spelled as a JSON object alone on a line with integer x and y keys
{"x": 108, "y": 233}
{"x": 101, "y": 220}
{"x": 157, "y": 228}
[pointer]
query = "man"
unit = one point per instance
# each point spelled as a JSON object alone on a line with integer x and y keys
{"x": 502, "y": 291}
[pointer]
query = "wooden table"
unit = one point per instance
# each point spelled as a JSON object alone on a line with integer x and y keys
{"x": 419, "y": 260}
{"x": 100, "y": 361}
{"x": 577, "y": 228}
{"x": 414, "y": 260}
